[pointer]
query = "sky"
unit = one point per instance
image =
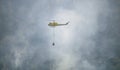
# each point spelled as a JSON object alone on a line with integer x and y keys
{"x": 89, "y": 42}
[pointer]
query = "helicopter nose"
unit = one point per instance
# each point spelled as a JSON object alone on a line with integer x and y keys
{"x": 49, "y": 24}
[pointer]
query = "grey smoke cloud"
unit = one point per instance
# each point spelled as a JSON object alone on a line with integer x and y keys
{"x": 89, "y": 42}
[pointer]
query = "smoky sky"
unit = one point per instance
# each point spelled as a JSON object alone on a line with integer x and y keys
{"x": 90, "y": 41}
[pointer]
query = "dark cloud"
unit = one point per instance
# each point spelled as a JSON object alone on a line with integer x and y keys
{"x": 25, "y": 38}
{"x": 107, "y": 39}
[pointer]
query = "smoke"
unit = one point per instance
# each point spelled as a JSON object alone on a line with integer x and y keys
{"x": 86, "y": 43}
{"x": 76, "y": 42}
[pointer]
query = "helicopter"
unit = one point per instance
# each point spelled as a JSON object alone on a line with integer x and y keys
{"x": 54, "y": 24}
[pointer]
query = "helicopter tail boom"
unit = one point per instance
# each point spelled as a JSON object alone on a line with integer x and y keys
{"x": 63, "y": 24}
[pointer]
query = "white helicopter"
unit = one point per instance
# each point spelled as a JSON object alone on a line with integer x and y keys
{"x": 54, "y": 24}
